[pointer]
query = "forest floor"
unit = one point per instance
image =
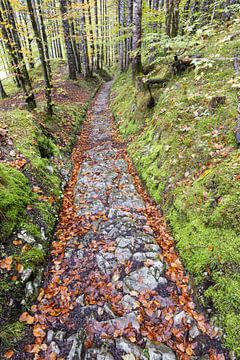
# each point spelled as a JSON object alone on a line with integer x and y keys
{"x": 115, "y": 287}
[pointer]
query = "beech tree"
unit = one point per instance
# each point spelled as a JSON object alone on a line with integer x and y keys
{"x": 137, "y": 35}
{"x": 41, "y": 39}
{"x": 67, "y": 39}
{"x": 13, "y": 44}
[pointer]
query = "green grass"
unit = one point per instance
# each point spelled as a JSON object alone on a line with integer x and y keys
{"x": 11, "y": 334}
{"x": 186, "y": 155}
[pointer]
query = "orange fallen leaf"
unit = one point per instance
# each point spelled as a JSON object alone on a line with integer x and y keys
{"x": 9, "y": 354}
{"x": 27, "y": 318}
{"x": 6, "y": 263}
{"x": 19, "y": 268}
{"x": 38, "y": 331}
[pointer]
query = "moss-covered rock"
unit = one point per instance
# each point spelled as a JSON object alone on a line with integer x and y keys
{"x": 15, "y": 195}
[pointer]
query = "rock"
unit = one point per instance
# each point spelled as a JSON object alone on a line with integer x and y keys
{"x": 161, "y": 351}
{"x": 29, "y": 290}
{"x": 60, "y": 335}
{"x": 144, "y": 279}
{"x": 50, "y": 335}
{"x": 77, "y": 345}
{"x": 123, "y": 255}
{"x": 128, "y": 347}
{"x": 194, "y": 332}
{"x": 179, "y": 318}
{"x": 26, "y": 274}
{"x": 54, "y": 348}
{"x": 26, "y": 237}
{"x": 129, "y": 302}
{"x": 144, "y": 256}
{"x": 80, "y": 300}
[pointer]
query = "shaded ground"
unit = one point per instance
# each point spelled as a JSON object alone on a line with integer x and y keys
{"x": 66, "y": 92}
{"x": 116, "y": 288}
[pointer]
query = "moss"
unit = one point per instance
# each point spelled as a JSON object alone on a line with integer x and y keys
{"x": 47, "y": 147}
{"x": 186, "y": 155}
{"x": 12, "y": 333}
{"x": 15, "y": 195}
{"x": 33, "y": 258}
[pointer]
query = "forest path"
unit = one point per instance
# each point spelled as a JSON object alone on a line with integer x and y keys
{"x": 116, "y": 288}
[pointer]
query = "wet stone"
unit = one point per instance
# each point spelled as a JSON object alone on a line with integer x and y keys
{"x": 143, "y": 279}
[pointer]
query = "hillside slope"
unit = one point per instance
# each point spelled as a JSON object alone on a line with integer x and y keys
{"x": 185, "y": 152}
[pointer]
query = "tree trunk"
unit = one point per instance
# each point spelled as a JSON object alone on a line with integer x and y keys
{"x": 43, "y": 56}
{"x": 121, "y": 33}
{"x": 137, "y": 36}
{"x": 92, "y": 46}
{"x": 3, "y": 94}
{"x": 129, "y": 24}
{"x": 67, "y": 39}
{"x": 97, "y": 35}
{"x": 14, "y": 48}
{"x": 84, "y": 45}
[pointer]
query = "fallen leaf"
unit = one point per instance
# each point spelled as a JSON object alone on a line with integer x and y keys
{"x": 9, "y": 354}
{"x": 27, "y": 318}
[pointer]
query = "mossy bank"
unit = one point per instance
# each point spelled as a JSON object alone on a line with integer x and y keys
{"x": 35, "y": 154}
{"x": 185, "y": 151}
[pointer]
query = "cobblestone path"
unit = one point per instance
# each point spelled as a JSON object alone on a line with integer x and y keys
{"x": 116, "y": 288}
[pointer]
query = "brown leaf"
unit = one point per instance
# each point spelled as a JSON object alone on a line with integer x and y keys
{"x": 27, "y": 318}
{"x": 8, "y": 354}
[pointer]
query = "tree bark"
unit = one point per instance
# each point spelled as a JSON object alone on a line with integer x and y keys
{"x": 97, "y": 35}
{"x": 3, "y": 94}
{"x": 43, "y": 56}
{"x": 14, "y": 48}
{"x": 137, "y": 37}
{"x": 84, "y": 46}
{"x": 67, "y": 39}
{"x": 121, "y": 33}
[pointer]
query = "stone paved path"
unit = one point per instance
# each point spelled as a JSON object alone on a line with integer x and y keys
{"x": 114, "y": 293}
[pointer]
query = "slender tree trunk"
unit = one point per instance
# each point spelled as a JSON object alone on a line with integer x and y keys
{"x": 43, "y": 56}
{"x": 137, "y": 37}
{"x": 129, "y": 24}
{"x": 121, "y": 33}
{"x": 15, "y": 52}
{"x": 67, "y": 39}
{"x": 44, "y": 40}
{"x": 84, "y": 45}
{"x": 92, "y": 46}
{"x": 97, "y": 35}
{"x": 3, "y": 94}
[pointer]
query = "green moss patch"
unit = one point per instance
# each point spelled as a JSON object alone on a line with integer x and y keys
{"x": 185, "y": 152}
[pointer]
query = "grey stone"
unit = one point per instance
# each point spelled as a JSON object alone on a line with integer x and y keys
{"x": 24, "y": 236}
{"x": 29, "y": 289}
{"x": 80, "y": 300}
{"x": 54, "y": 347}
{"x": 26, "y": 274}
{"x": 143, "y": 279}
{"x": 123, "y": 255}
{"x": 50, "y": 335}
{"x": 194, "y": 332}
{"x": 129, "y": 302}
{"x": 144, "y": 256}
{"x": 60, "y": 335}
{"x": 160, "y": 352}
{"x": 179, "y": 318}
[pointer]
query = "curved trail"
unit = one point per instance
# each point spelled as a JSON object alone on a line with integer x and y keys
{"x": 116, "y": 288}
